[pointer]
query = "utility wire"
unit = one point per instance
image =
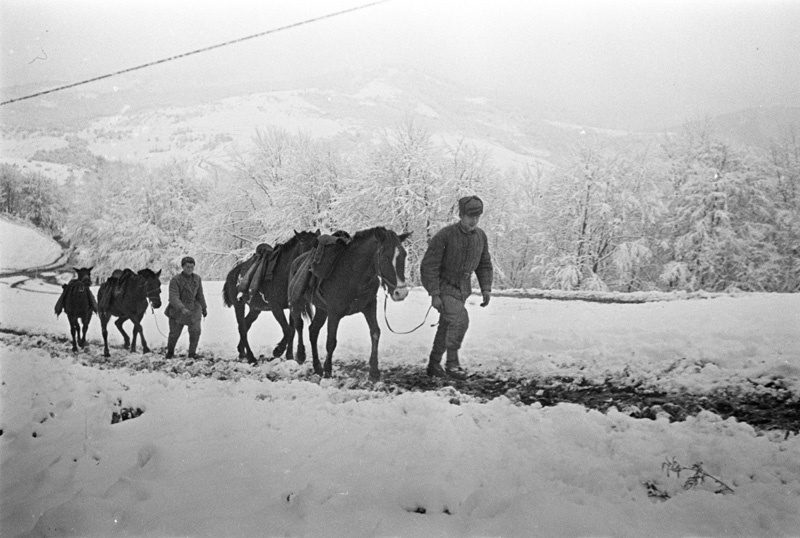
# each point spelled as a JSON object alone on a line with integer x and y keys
{"x": 185, "y": 54}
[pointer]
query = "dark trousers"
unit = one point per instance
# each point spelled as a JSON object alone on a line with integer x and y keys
{"x": 453, "y": 325}
{"x": 175, "y": 330}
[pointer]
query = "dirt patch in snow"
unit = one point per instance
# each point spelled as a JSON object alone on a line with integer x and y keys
{"x": 770, "y": 406}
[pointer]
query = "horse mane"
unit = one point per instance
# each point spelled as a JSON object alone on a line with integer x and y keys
{"x": 288, "y": 245}
{"x": 378, "y": 232}
{"x": 146, "y": 272}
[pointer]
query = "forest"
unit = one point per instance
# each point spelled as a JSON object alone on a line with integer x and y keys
{"x": 684, "y": 212}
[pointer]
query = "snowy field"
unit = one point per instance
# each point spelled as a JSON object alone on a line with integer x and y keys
{"x": 307, "y": 457}
{"x": 23, "y": 247}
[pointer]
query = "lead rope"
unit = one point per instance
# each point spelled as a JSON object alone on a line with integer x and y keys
{"x": 155, "y": 318}
{"x": 386, "y": 317}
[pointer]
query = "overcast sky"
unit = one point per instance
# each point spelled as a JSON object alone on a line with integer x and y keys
{"x": 653, "y": 59}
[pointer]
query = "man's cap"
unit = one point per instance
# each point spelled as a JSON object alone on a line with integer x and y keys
{"x": 187, "y": 259}
{"x": 471, "y": 206}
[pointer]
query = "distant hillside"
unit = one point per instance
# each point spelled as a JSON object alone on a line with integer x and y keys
{"x": 135, "y": 121}
{"x": 152, "y": 125}
{"x": 757, "y": 127}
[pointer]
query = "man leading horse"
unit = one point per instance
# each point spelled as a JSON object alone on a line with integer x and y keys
{"x": 453, "y": 254}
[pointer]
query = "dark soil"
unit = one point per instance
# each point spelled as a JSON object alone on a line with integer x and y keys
{"x": 769, "y": 406}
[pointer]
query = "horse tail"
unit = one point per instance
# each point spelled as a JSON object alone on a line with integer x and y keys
{"x": 230, "y": 288}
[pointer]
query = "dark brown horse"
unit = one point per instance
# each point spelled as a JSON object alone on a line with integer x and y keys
{"x": 372, "y": 258}
{"x": 125, "y": 295}
{"x": 78, "y": 303}
{"x": 270, "y": 295}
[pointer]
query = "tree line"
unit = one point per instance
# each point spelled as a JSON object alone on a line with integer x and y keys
{"x": 687, "y": 212}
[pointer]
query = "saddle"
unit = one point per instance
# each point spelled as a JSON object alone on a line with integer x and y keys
{"x": 317, "y": 264}
{"x": 74, "y": 286}
{"x": 113, "y": 287}
{"x": 326, "y": 253}
{"x": 261, "y": 269}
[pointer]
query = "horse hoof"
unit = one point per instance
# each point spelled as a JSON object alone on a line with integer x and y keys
{"x": 375, "y": 377}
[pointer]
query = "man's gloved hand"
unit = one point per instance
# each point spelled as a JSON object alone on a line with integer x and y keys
{"x": 486, "y": 298}
{"x": 436, "y": 302}
{"x": 205, "y": 312}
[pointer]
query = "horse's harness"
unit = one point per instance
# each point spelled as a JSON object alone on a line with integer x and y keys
{"x": 386, "y": 287}
{"x": 384, "y": 283}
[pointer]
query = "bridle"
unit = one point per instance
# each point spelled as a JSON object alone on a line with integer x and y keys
{"x": 387, "y": 286}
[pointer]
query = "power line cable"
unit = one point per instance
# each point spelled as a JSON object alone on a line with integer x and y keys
{"x": 185, "y": 54}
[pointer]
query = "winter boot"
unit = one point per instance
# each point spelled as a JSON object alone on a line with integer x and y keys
{"x": 453, "y": 367}
{"x": 435, "y": 367}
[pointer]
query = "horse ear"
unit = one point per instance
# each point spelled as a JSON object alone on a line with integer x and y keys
{"x": 318, "y": 233}
{"x": 90, "y": 268}
{"x": 159, "y": 273}
{"x": 405, "y": 236}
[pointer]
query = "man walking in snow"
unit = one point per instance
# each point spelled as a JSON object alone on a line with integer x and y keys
{"x": 453, "y": 254}
{"x": 186, "y": 306}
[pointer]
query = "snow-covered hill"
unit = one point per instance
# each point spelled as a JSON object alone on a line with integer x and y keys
{"x": 145, "y": 126}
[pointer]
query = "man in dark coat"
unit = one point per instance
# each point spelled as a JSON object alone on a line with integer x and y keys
{"x": 186, "y": 306}
{"x": 453, "y": 254}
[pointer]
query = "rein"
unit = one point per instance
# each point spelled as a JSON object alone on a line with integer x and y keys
{"x": 155, "y": 318}
{"x": 385, "y": 287}
{"x": 386, "y": 317}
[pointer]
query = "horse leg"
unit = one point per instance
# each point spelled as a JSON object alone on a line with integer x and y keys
{"x": 74, "y": 329}
{"x": 288, "y": 333}
{"x": 375, "y": 335}
{"x": 320, "y": 316}
{"x": 297, "y": 326}
{"x": 86, "y": 321}
{"x": 244, "y": 328}
{"x": 238, "y": 309}
{"x": 137, "y": 329}
{"x": 330, "y": 344}
{"x": 104, "y": 329}
{"x": 126, "y": 339}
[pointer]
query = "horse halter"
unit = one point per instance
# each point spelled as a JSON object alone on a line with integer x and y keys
{"x": 388, "y": 286}
{"x": 149, "y": 292}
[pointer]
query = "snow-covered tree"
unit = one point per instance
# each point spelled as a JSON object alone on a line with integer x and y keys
{"x": 720, "y": 219}
{"x": 596, "y": 216}
{"x": 129, "y": 216}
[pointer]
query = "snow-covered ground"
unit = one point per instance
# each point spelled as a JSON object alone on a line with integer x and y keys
{"x": 252, "y": 457}
{"x": 24, "y": 247}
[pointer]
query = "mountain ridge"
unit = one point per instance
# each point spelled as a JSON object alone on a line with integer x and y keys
{"x": 151, "y": 124}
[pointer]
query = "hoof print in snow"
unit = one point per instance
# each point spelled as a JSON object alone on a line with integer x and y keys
{"x": 418, "y": 510}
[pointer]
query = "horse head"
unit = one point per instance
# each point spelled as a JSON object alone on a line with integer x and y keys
{"x": 84, "y": 275}
{"x": 152, "y": 286}
{"x": 391, "y": 262}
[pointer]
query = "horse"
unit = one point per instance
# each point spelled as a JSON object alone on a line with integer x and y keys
{"x": 271, "y": 293}
{"x": 371, "y": 259}
{"x": 78, "y": 303}
{"x": 125, "y": 295}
